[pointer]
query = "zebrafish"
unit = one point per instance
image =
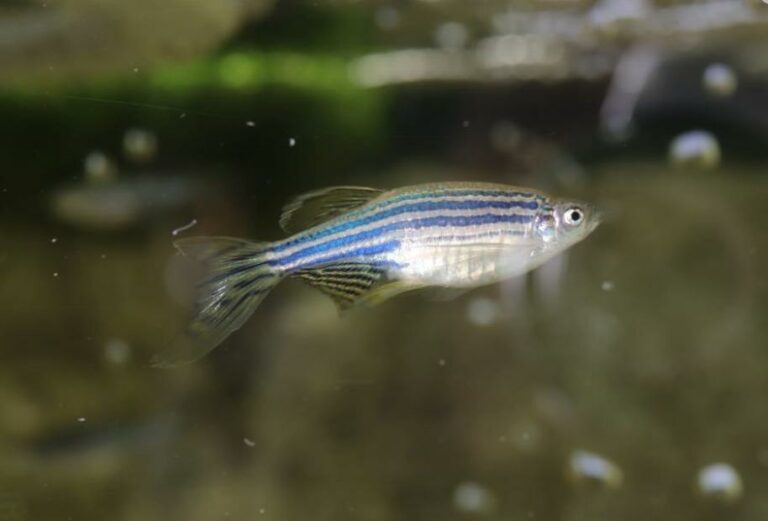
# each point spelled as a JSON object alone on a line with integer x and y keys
{"x": 362, "y": 246}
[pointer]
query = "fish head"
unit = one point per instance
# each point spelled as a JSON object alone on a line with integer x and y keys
{"x": 566, "y": 222}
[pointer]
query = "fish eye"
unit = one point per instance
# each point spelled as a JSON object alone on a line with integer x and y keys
{"x": 573, "y": 216}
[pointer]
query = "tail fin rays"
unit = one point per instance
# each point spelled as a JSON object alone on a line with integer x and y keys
{"x": 237, "y": 280}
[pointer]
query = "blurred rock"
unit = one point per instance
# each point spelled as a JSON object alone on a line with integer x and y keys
{"x": 68, "y": 39}
{"x": 579, "y": 43}
{"x": 123, "y": 204}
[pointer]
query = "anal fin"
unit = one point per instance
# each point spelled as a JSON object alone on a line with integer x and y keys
{"x": 352, "y": 284}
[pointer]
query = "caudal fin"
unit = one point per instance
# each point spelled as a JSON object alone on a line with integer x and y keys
{"x": 235, "y": 283}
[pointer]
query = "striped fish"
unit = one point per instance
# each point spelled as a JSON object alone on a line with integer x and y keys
{"x": 362, "y": 246}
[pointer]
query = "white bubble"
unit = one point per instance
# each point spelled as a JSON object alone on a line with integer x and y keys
{"x": 292, "y": 142}
{"x": 441, "y": 362}
{"x": 250, "y": 123}
{"x": 139, "y": 145}
{"x": 55, "y": 273}
{"x": 697, "y": 149}
{"x": 482, "y": 311}
{"x": 387, "y": 17}
{"x": 473, "y": 497}
{"x": 117, "y": 351}
{"x": 81, "y": 419}
{"x": 451, "y": 35}
{"x": 584, "y": 466}
{"x": 720, "y": 481}
{"x": 99, "y": 168}
{"x": 607, "y": 285}
{"x": 720, "y": 80}
{"x": 54, "y": 240}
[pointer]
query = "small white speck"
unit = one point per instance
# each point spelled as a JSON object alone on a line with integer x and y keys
{"x": 81, "y": 419}
{"x": 135, "y": 69}
{"x": 182, "y": 115}
{"x": 607, "y": 285}
{"x": 292, "y": 142}
{"x": 465, "y": 124}
{"x": 55, "y": 273}
{"x": 249, "y": 443}
{"x": 53, "y": 240}
{"x": 441, "y": 362}
{"x": 184, "y": 228}
{"x": 103, "y": 255}
{"x": 250, "y": 123}
{"x": 262, "y": 511}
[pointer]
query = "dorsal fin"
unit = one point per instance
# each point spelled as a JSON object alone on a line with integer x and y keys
{"x": 315, "y": 207}
{"x": 351, "y": 284}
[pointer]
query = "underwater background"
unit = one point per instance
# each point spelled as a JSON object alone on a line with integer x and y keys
{"x": 625, "y": 379}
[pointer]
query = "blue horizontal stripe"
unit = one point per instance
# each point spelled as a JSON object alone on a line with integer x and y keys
{"x": 372, "y": 234}
{"x": 365, "y": 252}
{"x": 409, "y": 208}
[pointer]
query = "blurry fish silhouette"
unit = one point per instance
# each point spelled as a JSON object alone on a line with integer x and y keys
{"x": 362, "y": 246}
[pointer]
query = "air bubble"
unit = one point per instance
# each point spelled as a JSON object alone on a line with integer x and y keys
{"x": 720, "y": 80}
{"x": 99, "y": 168}
{"x": 482, "y": 311}
{"x": 720, "y": 481}
{"x": 117, "y": 351}
{"x": 697, "y": 149}
{"x": 139, "y": 145}
{"x": 588, "y": 467}
{"x": 473, "y": 497}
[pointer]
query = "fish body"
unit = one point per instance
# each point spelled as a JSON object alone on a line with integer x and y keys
{"x": 362, "y": 246}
